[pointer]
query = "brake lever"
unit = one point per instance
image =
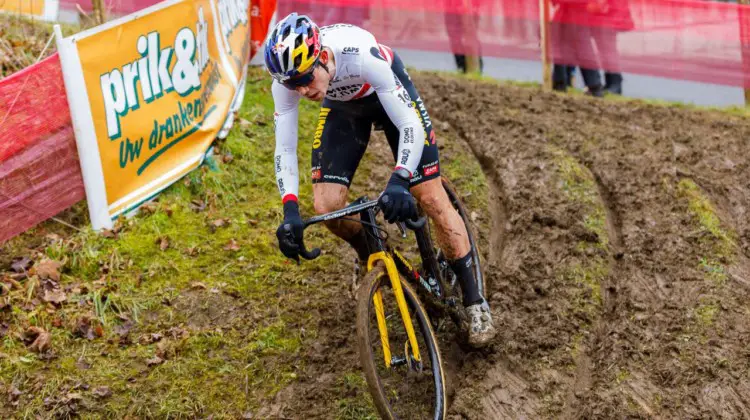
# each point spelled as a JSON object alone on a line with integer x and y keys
{"x": 402, "y": 228}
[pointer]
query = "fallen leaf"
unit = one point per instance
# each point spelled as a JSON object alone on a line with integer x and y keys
{"x": 102, "y": 392}
{"x": 218, "y": 223}
{"x": 192, "y": 251}
{"x": 247, "y": 415}
{"x": 228, "y": 157}
{"x": 197, "y": 205}
{"x": 163, "y": 242}
{"x": 41, "y": 339}
{"x": 232, "y": 246}
{"x": 88, "y": 329}
{"x": 54, "y": 296}
{"x": 53, "y": 237}
{"x": 22, "y": 264}
{"x": 15, "y": 393}
{"x": 253, "y": 222}
{"x": 197, "y": 285}
{"x": 83, "y": 364}
{"x": 107, "y": 233}
{"x": 123, "y": 330}
{"x": 156, "y": 360}
{"x": 474, "y": 216}
{"x": 48, "y": 269}
{"x": 168, "y": 211}
{"x": 149, "y": 208}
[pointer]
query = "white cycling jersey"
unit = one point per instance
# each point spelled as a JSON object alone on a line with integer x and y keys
{"x": 362, "y": 68}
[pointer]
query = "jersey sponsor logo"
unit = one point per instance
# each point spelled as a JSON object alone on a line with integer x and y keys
{"x": 336, "y": 178}
{"x": 343, "y": 91}
{"x": 321, "y": 125}
{"x": 350, "y": 50}
{"x": 315, "y": 174}
{"x": 423, "y": 112}
{"x": 405, "y": 156}
{"x": 430, "y": 170}
{"x": 278, "y": 163}
{"x": 409, "y": 135}
{"x": 376, "y": 53}
{"x": 282, "y": 190}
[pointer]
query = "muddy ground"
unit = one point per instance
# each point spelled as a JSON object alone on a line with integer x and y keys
{"x": 615, "y": 247}
{"x": 616, "y": 251}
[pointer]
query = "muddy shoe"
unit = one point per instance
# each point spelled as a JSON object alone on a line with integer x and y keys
{"x": 481, "y": 329}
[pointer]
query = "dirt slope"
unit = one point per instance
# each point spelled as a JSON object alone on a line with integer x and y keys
{"x": 620, "y": 274}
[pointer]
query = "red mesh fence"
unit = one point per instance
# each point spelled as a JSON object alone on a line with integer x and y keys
{"x": 118, "y": 7}
{"x": 681, "y": 39}
{"x": 690, "y": 40}
{"x": 39, "y": 171}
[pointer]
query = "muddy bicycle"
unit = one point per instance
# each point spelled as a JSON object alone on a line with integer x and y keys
{"x": 397, "y": 343}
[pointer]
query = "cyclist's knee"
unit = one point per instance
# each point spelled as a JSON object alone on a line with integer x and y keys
{"x": 430, "y": 195}
{"x": 329, "y": 197}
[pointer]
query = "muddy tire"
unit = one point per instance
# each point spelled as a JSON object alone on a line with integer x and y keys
{"x": 404, "y": 391}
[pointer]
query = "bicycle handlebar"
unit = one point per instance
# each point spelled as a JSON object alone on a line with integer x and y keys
{"x": 348, "y": 211}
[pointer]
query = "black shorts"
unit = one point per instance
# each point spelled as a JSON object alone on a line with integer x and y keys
{"x": 343, "y": 133}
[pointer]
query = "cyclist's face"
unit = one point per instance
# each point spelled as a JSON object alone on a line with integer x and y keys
{"x": 316, "y": 90}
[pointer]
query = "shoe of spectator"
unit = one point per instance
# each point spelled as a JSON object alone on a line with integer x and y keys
{"x": 613, "y": 83}
{"x": 595, "y": 91}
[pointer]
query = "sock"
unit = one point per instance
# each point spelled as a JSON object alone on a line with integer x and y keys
{"x": 464, "y": 269}
{"x": 359, "y": 243}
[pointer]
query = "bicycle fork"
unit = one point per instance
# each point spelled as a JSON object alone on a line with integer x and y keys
{"x": 377, "y": 298}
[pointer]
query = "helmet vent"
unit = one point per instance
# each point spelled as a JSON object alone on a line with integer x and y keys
{"x": 287, "y": 30}
{"x": 298, "y": 41}
{"x": 297, "y": 60}
{"x": 285, "y": 57}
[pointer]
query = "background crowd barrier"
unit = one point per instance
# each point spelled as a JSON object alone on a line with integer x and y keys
{"x": 700, "y": 41}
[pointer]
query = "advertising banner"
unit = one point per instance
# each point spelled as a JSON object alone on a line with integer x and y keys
{"x": 149, "y": 93}
{"x": 44, "y": 9}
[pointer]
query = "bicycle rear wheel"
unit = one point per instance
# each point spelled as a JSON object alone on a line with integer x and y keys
{"x": 408, "y": 389}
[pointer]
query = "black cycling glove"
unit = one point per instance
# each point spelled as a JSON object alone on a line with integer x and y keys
{"x": 396, "y": 201}
{"x": 290, "y": 231}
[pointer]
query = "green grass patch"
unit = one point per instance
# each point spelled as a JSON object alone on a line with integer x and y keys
{"x": 721, "y": 240}
{"x": 588, "y": 273}
{"x": 201, "y": 286}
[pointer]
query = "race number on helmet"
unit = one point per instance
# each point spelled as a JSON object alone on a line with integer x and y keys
{"x": 293, "y": 47}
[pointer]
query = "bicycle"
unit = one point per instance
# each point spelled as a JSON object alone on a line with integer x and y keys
{"x": 388, "y": 291}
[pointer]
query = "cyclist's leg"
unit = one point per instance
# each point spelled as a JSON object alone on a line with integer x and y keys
{"x": 450, "y": 230}
{"x": 427, "y": 188}
{"x": 339, "y": 144}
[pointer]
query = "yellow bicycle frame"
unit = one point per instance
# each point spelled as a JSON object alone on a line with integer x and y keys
{"x": 377, "y": 299}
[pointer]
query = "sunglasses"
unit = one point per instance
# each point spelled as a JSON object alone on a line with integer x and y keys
{"x": 301, "y": 80}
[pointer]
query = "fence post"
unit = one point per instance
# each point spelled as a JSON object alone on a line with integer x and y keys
{"x": 545, "y": 44}
{"x": 98, "y": 7}
{"x": 744, "y": 18}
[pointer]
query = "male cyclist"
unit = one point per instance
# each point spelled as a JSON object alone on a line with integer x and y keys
{"x": 361, "y": 83}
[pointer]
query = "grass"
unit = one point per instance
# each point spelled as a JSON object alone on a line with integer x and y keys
{"x": 578, "y": 185}
{"x": 226, "y": 316}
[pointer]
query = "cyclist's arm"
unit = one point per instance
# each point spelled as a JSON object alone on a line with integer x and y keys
{"x": 286, "y": 116}
{"x": 400, "y": 110}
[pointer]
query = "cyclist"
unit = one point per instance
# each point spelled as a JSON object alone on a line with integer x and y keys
{"x": 361, "y": 83}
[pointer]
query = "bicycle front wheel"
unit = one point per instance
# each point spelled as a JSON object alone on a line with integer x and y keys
{"x": 403, "y": 387}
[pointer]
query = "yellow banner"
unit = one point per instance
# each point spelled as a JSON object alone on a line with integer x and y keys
{"x": 46, "y": 9}
{"x": 160, "y": 85}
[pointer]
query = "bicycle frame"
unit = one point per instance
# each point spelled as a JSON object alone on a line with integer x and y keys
{"x": 395, "y": 263}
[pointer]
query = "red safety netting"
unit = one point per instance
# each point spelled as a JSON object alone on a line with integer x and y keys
{"x": 689, "y": 40}
{"x": 118, "y": 7}
{"x": 39, "y": 171}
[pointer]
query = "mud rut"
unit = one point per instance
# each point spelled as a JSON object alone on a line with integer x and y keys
{"x": 647, "y": 317}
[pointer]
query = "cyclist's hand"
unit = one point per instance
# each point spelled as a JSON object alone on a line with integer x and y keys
{"x": 396, "y": 201}
{"x": 290, "y": 231}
